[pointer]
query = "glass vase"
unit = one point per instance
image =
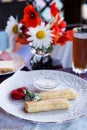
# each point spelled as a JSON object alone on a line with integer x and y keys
{"x": 41, "y": 61}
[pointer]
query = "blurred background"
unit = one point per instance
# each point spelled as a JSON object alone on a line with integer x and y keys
{"x": 73, "y": 11}
{"x": 70, "y": 9}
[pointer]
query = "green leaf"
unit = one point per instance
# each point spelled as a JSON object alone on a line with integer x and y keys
{"x": 31, "y": 96}
{"x": 36, "y": 96}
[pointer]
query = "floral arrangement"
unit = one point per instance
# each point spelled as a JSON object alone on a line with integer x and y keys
{"x": 41, "y": 35}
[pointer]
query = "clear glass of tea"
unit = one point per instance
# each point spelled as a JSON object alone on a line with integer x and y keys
{"x": 79, "y": 53}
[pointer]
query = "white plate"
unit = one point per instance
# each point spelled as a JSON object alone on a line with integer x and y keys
{"x": 21, "y": 78}
{"x": 18, "y": 63}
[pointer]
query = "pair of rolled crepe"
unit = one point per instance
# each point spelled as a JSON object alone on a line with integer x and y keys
{"x": 51, "y": 100}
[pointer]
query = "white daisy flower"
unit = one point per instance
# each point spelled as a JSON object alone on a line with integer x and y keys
{"x": 40, "y": 37}
{"x": 12, "y": 27}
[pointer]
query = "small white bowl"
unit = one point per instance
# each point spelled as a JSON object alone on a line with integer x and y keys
{"x": 45, "y": 84}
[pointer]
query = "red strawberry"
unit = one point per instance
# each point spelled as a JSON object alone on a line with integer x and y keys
{"x": 18, "y": 93}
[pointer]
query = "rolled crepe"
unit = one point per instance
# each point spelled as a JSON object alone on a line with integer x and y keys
{"x": 64, "y": 93}
{"x": 46, "y": 105}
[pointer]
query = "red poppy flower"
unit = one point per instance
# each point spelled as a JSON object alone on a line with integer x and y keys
{"x": 54, "y": 10}
{"x": 62, "y": 24}
{"x": 55, "y": 30}
{"x": 62, "y": 40}
{"x": 30, "y": 17}
{"x": 67, "y": 36}
{"x": 22, "y": 37}
{"x": 18, "y": 93}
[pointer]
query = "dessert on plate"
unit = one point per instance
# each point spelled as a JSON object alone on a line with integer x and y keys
{"x": 6, "y": 62}
{"x": 44, "y": 101}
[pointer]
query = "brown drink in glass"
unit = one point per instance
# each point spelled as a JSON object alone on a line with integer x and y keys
{"x": 80, "y": 50}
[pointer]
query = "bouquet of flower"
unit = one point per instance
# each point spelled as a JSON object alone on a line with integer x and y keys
{"x": 41, "y": 35}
